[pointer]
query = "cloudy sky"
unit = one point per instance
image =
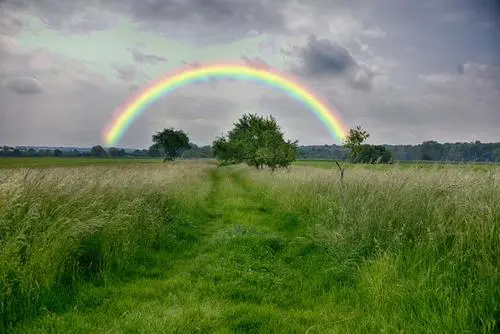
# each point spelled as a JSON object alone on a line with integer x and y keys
{"x": 405, "y": 70}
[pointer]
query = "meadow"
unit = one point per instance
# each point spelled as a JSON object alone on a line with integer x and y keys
{"x": 44, "y": 162}
{"x": 194, "y": 248}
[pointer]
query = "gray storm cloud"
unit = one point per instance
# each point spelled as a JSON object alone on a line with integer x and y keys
{"x": 221, "y": 20}
{"x": 142, "y": 57}
{"x": 24, "y": 85}
{"x": 256, "y": 62}
{"x": 393, "y": 72}
{"x": 323, "y": 58}
{"x": 124, "y": 72}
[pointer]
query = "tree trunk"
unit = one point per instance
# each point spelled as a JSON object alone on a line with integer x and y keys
{"x": 342, "y": 169}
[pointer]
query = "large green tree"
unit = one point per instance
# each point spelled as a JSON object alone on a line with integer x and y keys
{"x": 170, "y": 143}
{"x": 224, "y": 151}
{"x": 257, "y": 141}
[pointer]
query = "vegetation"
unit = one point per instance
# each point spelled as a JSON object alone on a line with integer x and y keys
{"x": 364, "y": 153}
{"x": 427, "y": 151}
{"x": 354, "y": 141}
{"x": 47, "y": 162}
{"x": 373, "y": 154}
{"x": 256, "y": 141}
{"x": 99, "y": 151}
{"x": 430, "y": 165}
{"x": 192, "y": 247}
{"x": 169, "y": 143}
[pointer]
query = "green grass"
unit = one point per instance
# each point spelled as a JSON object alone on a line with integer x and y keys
{"x": 44, "y": 162}
{"x": 192, "y": 248}
{"x": 400, "y": 164}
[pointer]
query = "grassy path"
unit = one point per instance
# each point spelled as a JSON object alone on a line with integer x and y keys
{"x": 386, "y": 255}
{"x": 238, "y": 269}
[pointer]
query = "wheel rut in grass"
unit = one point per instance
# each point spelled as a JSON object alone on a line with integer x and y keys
{"x": 234, "y": 269}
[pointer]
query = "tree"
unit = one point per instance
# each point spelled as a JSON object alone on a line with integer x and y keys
{"x": 98, "y": 151}
{"x": 154, "y": 151}
{"x": 75, "y": 153}
{"x": 257, "y": 141}
{"x": 171, "y": 143}
{"x": 58, "y": 153}
{"x": 117, "y": 152}
{"x": 374, "y": 154}
{"x": 364, "y": 153}
{"x": 496, "y": 154}
{"x": 431, "y": 150}
{"x": 223, "y": 151}
{"x": 446, "y": 152}
{"x": 354, "y": 141}
{"x": 288, "y": 154}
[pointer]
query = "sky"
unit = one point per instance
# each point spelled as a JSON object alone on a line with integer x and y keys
{"x": 406, "y": 71}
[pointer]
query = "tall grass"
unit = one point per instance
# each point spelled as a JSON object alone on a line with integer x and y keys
{"x": 390, "y": 249}
{"x": 61, "y": 227}
{"x": 423, "y": 245}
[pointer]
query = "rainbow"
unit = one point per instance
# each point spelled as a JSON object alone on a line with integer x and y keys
{"x": 126, "y": 114}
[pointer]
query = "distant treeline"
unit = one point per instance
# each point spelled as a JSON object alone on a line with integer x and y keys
{"x": 97, "y": 151}
{"x": 429, "y": 150}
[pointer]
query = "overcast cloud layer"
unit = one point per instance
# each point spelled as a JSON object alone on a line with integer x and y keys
{"x": 407, "y": 71}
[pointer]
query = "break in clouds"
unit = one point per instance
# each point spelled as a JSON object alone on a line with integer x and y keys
{"x": 407, "y": 71}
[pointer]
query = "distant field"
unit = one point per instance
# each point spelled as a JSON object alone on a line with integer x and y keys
{"x": 46, "y": 162}
{"x": 401, "y": 164}
{"x": 189, "y": 247}
{"x": 28, "y": 162}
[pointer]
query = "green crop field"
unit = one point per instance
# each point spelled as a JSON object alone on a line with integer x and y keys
{"x": 399, "y": 164}
{"x": 44, "y": 162}
{"x": 189, "y": 247}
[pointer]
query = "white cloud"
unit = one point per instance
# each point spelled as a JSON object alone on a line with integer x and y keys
{"x": 438, "y": 78}
{"x": 374, "y": 33}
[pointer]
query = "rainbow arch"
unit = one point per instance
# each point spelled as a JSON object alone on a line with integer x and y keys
{"x": 126, "y": 114}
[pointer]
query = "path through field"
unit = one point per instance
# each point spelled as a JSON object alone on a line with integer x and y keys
{"x": 242, "y": 268}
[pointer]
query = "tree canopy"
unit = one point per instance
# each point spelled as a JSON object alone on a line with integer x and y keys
{"x": 354, "y": 141}
{"x": 98, "y": 151}
{"x": 256, "y": 141}
{"x": 169, "y": 143}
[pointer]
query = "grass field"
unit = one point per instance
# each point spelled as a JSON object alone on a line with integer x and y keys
{"x": 44, "y": 162}
{"x": 194, "y": 248}
{"x": 400, "y": 164}
{"x": 47, "y": 162}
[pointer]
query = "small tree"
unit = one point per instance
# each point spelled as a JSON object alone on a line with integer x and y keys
{"x": 354, "y": 141}
{"x": 171, "y": 143}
